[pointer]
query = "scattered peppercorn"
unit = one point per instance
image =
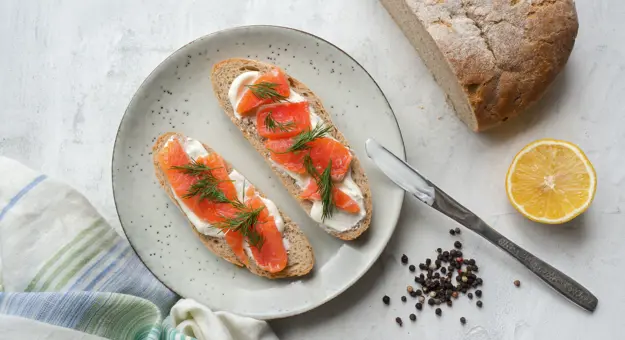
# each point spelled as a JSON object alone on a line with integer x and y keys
{"x": 431, "y": 302}
{"x": 419, "y": 306}
{"x": 444, "y": 270}
{"x": 457, "y": 230}
{"x": 452, "y": 232}
{"x": 458, "y": 245}
{"x": 449, "y": 303}
{"x": 412, "y": 268}
{"x": 439, "y": 250}
{"x": 413, "y": 294}
{"x": 470, "y": 295}
{"x": 399, "y": 322}
{"x": 419, "y": 292}
{"x": 439, "y": 312}
{"x": 479, "y": 303}
{"x": 404, "y": 259}
{"x": 413, "y": 317}
{"x": 463, "y": 320}
{"x": 517, "y": 283}
{"x": 478, "y": 293}
{"x": 403, "y": 299}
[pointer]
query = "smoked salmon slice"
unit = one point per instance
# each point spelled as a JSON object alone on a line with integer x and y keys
{"x": 281, "y": 120}
{"x": 269, "y": 87}
{"x": 173, "y": 155}
{"x": 272, "y": 255}
{"x": 341, "y": 199}
{"x": 321, "y": 150}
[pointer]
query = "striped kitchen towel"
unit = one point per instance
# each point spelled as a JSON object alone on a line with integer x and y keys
{"x": 62, "y": 265}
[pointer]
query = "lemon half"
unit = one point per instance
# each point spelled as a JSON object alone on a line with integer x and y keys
{"x": 551, "y": 181}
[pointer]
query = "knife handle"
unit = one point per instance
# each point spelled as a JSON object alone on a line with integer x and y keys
{"x": 553, "y": 277}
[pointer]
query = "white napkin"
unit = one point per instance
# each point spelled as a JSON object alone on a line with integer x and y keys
{"x": 196, "y": 320}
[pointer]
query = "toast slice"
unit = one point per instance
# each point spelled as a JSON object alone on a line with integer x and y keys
{"x": 222, "y": 76}
{"x": 300, "y": 254}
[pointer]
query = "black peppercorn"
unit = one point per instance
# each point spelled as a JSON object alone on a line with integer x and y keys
{"x": 449, "y": 303}
{"x": 399, "y": 322}
{"x": 446, "y": 253}
{"x": 463, "y": 320}
{"x": 478, "y": 293}
{"x": 428, "y": 262}
{"x": 419, "y": 306}
{"x": 452, "y": 232}
{"x": 403, "y": 299}
{"x": 404, "y": 259}
{"x": 439, "y": 250}
{"x": 422, "y": 266}
{"x": 419, "y": 292}
{"x": 413, "y": 317}
{"x": 457, "y": 244}
{"x": 479, "y": 281}
{"x": 457, "y": 230}
{"x": 470, "y": 295}
{"x": 444, "y": 270}
{"x": 412, "y": 268}
{"x": 386, "y": 299}
{"x": 413, "y": 294}
{"x": 479, "y": 303}
{"x": 431, "y": 302}
{"x": 439, "y": 312}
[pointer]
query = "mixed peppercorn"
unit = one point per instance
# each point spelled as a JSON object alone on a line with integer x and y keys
{"x": 443, "y": 279}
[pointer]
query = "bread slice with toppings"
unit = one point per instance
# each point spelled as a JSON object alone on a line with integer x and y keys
{"x": 299, "y": 253}
{"x": 222, "y": 76}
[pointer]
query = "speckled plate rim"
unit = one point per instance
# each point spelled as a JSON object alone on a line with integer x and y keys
{"x": 402, "y": 156}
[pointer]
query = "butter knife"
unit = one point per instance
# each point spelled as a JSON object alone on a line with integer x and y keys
{"x": 414, "y": 183}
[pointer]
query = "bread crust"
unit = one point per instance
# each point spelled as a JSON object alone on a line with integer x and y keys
{"x": 300, "y": 254}
{"x": 222, "y": 75}
{"x": 504, "y": 53}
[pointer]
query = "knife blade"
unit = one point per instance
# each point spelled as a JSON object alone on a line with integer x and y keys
{"x": 409, "y": 179}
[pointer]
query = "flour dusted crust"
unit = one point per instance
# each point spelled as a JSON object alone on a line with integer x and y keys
{"x": 493, "y": 58}
{"x": 222, "y": 76}
{"x": 300, "y": 254}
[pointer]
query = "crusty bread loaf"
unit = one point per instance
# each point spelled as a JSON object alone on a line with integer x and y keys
{"x": 493, "y": 58}
{"x": 300, "y": 253}
{"x": 225, "y": 72}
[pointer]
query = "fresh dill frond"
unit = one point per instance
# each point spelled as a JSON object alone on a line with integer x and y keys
{"x": 272, "y": 125}
{"x": 324, "y": 186}
{"x": 300, "y": 142}
{"x": 244, "y": 222}
{"x": 194, "y": 168}
{"x": 266, "y": 90}
{"x": 207, "y": 188}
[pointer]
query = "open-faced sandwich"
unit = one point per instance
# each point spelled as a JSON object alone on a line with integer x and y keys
{"x": 288, "y": 125}
{"x": 233, "y": 219}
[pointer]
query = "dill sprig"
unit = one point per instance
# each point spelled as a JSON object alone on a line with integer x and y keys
{"x": 272, "y": 125}
{"x": 207, "y": 187}
{"x": 300, "y": 142}
{"x": 194, "y": 168}
{"x": 324, "y": 185}
{"x": 266, "y": 90}
{"x": 244, "y": 222}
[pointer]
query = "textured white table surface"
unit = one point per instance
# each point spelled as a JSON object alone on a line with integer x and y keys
{"x": 68, "y": 68}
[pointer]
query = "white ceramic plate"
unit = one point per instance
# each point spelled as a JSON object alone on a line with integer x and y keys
{"x": 178, "y": 96}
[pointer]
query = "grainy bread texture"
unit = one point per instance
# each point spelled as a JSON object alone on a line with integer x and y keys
{"x": 225, "y": 72}
{"x": 493, "y": 58}
{"x": 300, "y": 253}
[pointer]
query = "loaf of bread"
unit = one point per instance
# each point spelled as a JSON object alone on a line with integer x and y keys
{"x": 493, "y": 58}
